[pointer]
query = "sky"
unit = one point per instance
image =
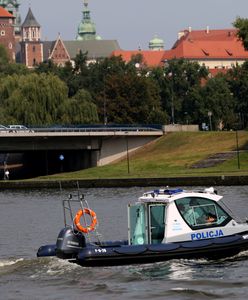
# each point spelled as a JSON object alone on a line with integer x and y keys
{"x": 133, "y": 23}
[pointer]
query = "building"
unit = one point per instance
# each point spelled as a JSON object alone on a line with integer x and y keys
{"x": 12, "y": 6}
{"x": 156, "y": 44}
{"x": 218, "y": 50}
{"x": 86, "y": 29}
{"x": 31, "y": 45}
{"x": 150, "y": 58}
{"x": 32, "y": 50}
{"x": 87, "y": 41}
{"x": 7, "y": 34}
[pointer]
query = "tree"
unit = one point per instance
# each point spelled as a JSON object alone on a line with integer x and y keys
{"x": 237, "y": 79}
{"x": 242, "y": 25}
{"x": 218, "y": 100}
{"x": 32, "y": 99}
{"x": 80, "y": 109}
{"x": 4, "y": 59}
{"x": 131, "y": 99}
{"x": 8, "y": 68}
{"x": 179, "y": 81}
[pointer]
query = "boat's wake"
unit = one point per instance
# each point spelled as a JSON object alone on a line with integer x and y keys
{"x": 9, "y": 262}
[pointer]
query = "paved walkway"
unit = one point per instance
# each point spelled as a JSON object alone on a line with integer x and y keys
{"x": 213, "y": 160}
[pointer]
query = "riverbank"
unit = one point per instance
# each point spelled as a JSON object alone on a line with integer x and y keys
{"x": 176, "y": 159}
{"x": 220, "y": 180}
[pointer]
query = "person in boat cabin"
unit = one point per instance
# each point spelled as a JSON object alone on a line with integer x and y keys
{"x": 211, "y": 218}
{"x": 196, "y": 214}
{"x": 192, "y": 213}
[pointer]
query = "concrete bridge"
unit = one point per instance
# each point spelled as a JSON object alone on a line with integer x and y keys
{"x": 47, "y": 151}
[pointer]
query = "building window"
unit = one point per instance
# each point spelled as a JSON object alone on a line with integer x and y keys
{"x": 10, "y": 46}
{"x": 2, "y": 32}
{"x": 33, "y": 48}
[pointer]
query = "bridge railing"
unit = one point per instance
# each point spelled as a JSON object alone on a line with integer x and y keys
{"x": 96, "y": 128}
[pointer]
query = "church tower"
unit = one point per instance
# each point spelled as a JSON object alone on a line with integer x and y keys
{"x": 7, "y": 36}
{"x": 12, "y": 6}
{"x": 86, "y": 29}
{"x": 31, "y": 45}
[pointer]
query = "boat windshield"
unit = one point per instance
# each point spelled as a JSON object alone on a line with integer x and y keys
{"x": 201, "y": 212}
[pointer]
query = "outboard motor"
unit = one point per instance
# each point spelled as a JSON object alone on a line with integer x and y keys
{"x": 69, "y": 242}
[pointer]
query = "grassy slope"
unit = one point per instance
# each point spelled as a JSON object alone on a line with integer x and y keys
{"x": 172, "y": 155}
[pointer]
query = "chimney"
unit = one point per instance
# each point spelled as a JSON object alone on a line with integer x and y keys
{"x": 207, "y": 30}
{"x": 190, "y": 28}
{"x": 180, "y": 35}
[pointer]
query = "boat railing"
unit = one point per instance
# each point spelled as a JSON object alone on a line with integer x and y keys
{"x": 70, "y": 208}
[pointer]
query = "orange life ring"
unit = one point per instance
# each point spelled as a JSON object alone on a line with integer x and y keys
{"x": 78, "y": 216}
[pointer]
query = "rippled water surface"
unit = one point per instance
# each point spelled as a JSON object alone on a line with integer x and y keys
{"x": 33, "y": 218}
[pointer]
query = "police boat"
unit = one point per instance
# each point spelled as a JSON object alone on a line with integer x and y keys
{"x": 163, "y": 224}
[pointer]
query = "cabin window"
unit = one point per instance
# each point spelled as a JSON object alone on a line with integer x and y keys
{"x": 156, "y": 223}
{"x": 201, "y": 213}
{"x": 146, "y": 223}
{"x": 137, "y": 224}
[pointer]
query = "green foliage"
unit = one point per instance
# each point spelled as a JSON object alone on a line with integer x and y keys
{"x": 32, "y": 99}
{"x": 7, "y": 68}
{"x": 238, "y": 81}
{"x": 41, "y": 99}
{"x": 128, "y": 98}
{"x": 242, "y": 25}
{"x": 180, "y": 82}
{"x": 113, "y": 91}
{"x": 4, "y": 59}
{"x": 80, "y": 109}
{"x": 218, "y": 100}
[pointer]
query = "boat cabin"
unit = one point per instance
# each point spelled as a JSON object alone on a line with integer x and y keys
{"x": 163, "y": 216}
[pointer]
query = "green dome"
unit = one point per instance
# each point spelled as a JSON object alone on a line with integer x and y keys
{"x": 156, "y": 44}
{"x": 84, "y": 28}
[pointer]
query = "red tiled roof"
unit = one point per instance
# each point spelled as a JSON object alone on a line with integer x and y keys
{"x": 4, "y": 13}
{"x": 212, "y": 44}
{"x": 220, "y": 44}
{"x": 150, "y": 58}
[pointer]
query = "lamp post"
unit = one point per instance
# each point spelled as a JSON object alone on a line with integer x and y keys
{"x": 172, "y": 100}
{"x": 237, "y": 148}
{"x": 127, "y": 149}
{"x": 210, "y": 120}
{"x": 104, "y": 105}
{"x": 105, "y": 117}
{"x": 172, "y": 109}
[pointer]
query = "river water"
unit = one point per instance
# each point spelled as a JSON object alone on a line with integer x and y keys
{"x": 31, "y": 218}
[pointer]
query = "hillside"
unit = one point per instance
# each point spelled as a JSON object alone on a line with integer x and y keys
{"x": 174, "y": 154}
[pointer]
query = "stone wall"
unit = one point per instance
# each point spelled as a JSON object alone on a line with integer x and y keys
{"x": 179, "y": 127}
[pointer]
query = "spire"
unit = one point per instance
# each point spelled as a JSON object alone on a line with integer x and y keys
{"x": 30, "y": 20}
{"x": 86, "y": 29}
{"x": 30, "y": 28}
